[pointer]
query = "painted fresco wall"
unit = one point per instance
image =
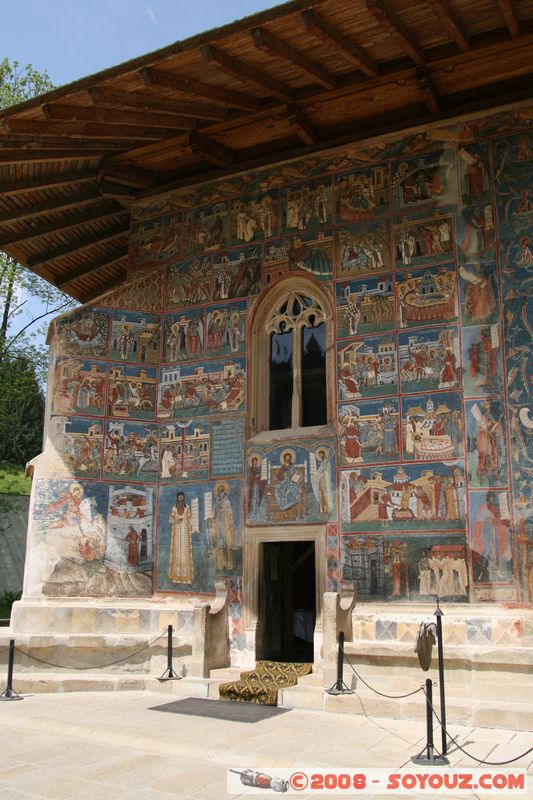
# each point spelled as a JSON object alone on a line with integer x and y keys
{"x": 424, "y": 482}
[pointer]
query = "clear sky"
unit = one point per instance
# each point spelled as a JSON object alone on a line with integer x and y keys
{"x": 74, "y": 38}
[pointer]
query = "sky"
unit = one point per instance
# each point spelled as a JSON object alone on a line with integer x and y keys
{"x": 71, "y": 39}
{"x": 74, "y": 38}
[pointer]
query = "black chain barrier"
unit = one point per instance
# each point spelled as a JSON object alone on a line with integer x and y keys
{"x": 382, "y": 694}
{"x": 91, "y": 666}
{"x": 479, "y": 760}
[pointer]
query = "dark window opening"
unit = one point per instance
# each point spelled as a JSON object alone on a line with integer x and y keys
{"x": 281, "y": 380}
{"x": 314, "y": 407}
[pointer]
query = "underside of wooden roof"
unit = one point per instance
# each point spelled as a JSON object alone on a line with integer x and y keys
{"x": 295, "y": 79}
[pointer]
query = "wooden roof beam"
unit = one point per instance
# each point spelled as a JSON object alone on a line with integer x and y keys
{"x": 328, "y": 33}
{"x": 81, "y": 176}
{"x": 246, "y": 74}
{"x": 16, "y": 155}
{"x": 55, "y": 204}
{"x": 393, "y": 24}
{"x": 509, "y": 15}
{"x": 105, "y": 287}
{"x": 115, "y": 97}
{"x": 59, "y": 111}
{"x": 85, "y": 130}
{"x": 131, "y": 176}
{"x": 302, "y": 125}
{"x": 118, "y": 191}
{"x": 81, "y": 244}
{"x": 451, "y": 22}
{"x": 181, "y": 83}
{"x": 427, "y": 89}
{"x": 62, "y": 225}
{"x": 88, "y": 269}
{"x": 268, "y": 43}
{"x": 214, "y": 152}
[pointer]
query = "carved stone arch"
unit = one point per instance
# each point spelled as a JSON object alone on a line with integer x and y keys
{"x": 264, "y": 318}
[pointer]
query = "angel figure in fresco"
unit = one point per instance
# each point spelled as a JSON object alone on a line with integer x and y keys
{"x": 180, "y": 564}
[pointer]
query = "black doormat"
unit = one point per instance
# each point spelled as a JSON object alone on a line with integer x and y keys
{"x": 221, "y": 709}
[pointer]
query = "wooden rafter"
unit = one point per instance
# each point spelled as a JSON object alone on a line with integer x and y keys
{"x": 226, "y": 97}
{"x": 246, "y": 74}
{"x": 214, "y": 152}
{"x": 85, "y": 130}
{"x": 266, "y": 41}
{"x": 301, "y": 124}
{"x": 64, "y": 179}
{"x": 103, "y": 288}
{"x": 451, "y": 22}
{"x": 80, "y": 244}
{"x": 131, "y": 176}
{"x": 509, "y": 15}
{"x": 54, "y": 204}
{"x": 92, "y": 266}
{"x": 322, "y": 29}
{"x": 427, "y": 89}
{"x": 139, "y": 100}
{"x": 95, "y": 215}
{"x": 117, "y": 190}
{"x": 58, "y": 111}
{"x": 392, "y": 23}
{"x": 14, "y": 155}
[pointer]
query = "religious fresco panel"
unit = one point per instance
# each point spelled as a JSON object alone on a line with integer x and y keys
{"x": 424, "y": 181}
{"x": 290, "y": 484}
{"x": 237, "y": 273}
{"x": 91, "y": 540}
{"x": 184, "y": 335}
{"x": 310, "y": 252}
{"x": 419, "y": 243}
{"x": 199, "y": 536}
{"x": 79, "y": 386}
{"x": 369, "y": 432}
{"x": 188, "y": 283}
{"x": 84, "y": 333}
{"x": 432, "y": 426}
{"x": 132, "y": 392}
{"x": 135, "y": 337}
{"x": 413, "y": 497}
{"x": 491, "y": 537}
{"x": 77, "y": 442}
{"x": 209, "y": 387}
{"x": 362, "y": 195}
{"x": 255, "y": 218}
{"x": 426, "y": 296}
{"x": 185, "y": 450}
{"x": 227, "y": 449}
{"x": 306, "y": 206}
{"x": 365, "y": 306}
{"x": 362, "y": 249}
{"x": 226, "y": 329}
{"x": 486, "y": 443}
{"x": 475, "y": 234}
{"x": 155, "y": 241}
{"x": 367, "y": 367}
{"x": 131, "y": 451}
{"x": 414, "y": 567}
{"x": 205, "y": 230}
{"x": 430, "y": 359}
{"x": 474, "y": 174}
{"x": 478, "y": 293}
{"x": 482, "y": 360}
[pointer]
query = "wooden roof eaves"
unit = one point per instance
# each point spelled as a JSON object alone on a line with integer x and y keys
{"x": 157, "y": 56}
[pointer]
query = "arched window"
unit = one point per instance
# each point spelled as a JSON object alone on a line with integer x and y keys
{"x": 291, "y": 357}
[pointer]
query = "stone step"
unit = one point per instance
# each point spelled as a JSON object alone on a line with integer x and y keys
{"x": 227, "y": 673}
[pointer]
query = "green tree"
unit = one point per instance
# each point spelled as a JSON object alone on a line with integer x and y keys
{"x": 19, "y": 327}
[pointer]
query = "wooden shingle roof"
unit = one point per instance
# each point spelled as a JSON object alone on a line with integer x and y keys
{"x": 300, "y": 77}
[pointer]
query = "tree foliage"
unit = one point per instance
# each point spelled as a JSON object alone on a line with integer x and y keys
{"x": 26, "y": 303}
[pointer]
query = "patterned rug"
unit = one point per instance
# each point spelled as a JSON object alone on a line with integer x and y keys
{"x": 260, "y": 685}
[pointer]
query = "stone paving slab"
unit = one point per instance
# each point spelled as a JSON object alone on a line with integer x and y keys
{"x": 99, "y": 746}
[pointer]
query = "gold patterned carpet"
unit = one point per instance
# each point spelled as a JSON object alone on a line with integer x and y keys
{"x": 260, "y": 685}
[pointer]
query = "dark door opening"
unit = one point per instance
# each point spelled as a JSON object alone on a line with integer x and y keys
{"x": 287, "y": 601}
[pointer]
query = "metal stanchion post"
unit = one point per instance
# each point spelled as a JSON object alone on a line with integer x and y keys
{"x": 169, "y": 674}
{"x": 430, "y": 757}
{"x": 339, "y": 687}
{"x": 439, "y": 614}
{"x": 9, "y": 693}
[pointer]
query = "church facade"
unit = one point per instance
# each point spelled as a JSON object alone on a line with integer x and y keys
{"x": 334, "y": 350}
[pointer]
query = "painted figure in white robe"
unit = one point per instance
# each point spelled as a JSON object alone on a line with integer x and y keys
{"x": 180, "y": 564}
